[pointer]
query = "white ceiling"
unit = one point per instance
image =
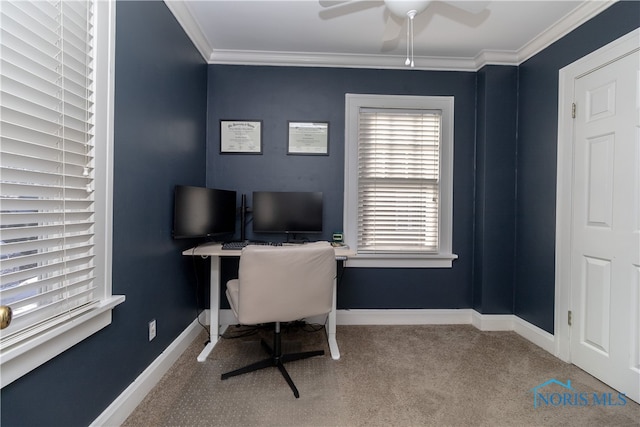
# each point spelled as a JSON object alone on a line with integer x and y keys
{"x": 311, "y": 33}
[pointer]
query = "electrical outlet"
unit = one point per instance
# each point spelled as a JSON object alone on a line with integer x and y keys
{"x": 152, "y": 329}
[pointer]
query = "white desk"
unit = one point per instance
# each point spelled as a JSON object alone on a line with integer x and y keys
{"x": 215, "y": 252}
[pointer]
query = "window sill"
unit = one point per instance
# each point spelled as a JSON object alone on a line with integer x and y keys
{"x": 24, "y": 357}
{"x": 401, "y": 261}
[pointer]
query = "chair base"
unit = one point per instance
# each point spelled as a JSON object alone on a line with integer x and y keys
{"x": 276, "y": 359}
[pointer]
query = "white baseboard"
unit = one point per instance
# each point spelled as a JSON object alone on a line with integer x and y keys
{"x": 510, "y": 322}
{"x": 534, "y": 334}
{"x": 384, "y": 317}
{"x": 124, "y": 405}
{"x": 130, "y": 398}
{"x": 484, "y": 322}
{"x": 403, "y": 317}
{"x": 492, "y": 322}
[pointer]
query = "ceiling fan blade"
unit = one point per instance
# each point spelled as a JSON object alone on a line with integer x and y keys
{"x": 469, "y": 6}
{"x": 332, "y": 3}
{"x": 393, "y": 28}
{"x": 394, "y": 31}
{"x": 336, "y": 9}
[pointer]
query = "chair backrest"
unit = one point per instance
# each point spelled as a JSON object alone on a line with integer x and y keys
{"x": 285, "y": 283}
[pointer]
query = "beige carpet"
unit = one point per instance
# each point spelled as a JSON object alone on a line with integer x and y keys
{"x": 387, "y": 376}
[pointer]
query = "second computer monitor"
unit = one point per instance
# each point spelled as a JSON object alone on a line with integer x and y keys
{"x": 288, "y": 212}
{"x": 201, "y": 212}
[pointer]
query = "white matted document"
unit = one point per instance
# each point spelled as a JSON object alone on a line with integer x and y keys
{"x": 308, "y": 138}
{"x": 237, "y": 136}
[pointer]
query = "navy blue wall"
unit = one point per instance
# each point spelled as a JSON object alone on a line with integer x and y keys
{"x": 494, "y": 248}
{"x": 162, "y": 96}
{"x": 276, "y": 95}
{"x": 537, "y": 150}
{"x": 160, "y": 107}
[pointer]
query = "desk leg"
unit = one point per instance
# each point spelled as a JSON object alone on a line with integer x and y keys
{"x": 214, "y": 308}
{"x": 331, "y": 326}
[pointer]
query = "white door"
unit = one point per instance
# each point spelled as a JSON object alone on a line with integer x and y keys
{"x": 605, "y": 226}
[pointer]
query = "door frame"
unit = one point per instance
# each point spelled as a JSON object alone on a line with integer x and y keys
{"x": 564, "y": 180}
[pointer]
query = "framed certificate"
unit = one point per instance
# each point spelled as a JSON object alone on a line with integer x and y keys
{"x": 241, "y": 136}
{"x": 310, "y": 138}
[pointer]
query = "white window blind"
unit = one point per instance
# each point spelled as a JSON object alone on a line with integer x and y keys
{"x": 398, "y": 180}
{"x": 47, "y": 146}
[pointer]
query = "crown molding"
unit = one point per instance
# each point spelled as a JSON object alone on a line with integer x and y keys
{"x": 495, "y": 57}
{"x": 183, "y": 15}
{"x": 562, "y": 27}
{"x": 304, "y": 59}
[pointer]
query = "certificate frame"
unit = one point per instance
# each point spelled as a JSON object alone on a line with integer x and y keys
{"x": 308, "y": 138}
{"x": 240, "y": 136}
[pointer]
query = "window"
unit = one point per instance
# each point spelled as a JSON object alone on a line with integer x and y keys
{"x": 55, "y": 129}
{"x": 398, "y": 180}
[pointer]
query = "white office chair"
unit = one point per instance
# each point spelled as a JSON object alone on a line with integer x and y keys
{"x": 281, "y": 284}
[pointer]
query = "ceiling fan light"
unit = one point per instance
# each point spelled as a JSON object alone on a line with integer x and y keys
{"x": 402, "y": 7}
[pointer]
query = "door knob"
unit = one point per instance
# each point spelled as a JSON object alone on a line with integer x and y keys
{"x": 5, "y": 316}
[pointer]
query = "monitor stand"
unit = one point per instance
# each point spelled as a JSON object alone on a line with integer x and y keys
{"x": 294, "y": 241}
{"x": 243, "y": 218}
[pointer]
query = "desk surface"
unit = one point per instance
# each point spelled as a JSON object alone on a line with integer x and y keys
{"x": 215, "y": 249}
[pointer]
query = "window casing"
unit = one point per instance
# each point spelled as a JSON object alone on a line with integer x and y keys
{"x": 56, "y": 135}
{"x": 398, "y": 180}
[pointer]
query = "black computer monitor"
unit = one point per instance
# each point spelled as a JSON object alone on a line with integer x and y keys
{"x": 288, "y": 212}
{"x": 203, "y": 212}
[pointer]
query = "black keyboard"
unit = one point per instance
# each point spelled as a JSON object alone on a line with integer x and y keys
{"x": 239, "y": 245}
